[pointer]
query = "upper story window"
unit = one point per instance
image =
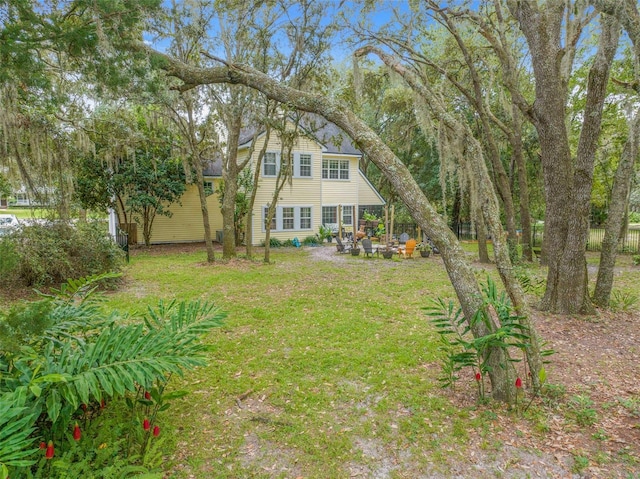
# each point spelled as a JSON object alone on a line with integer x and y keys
{"x": 335, "y": 169}
{"x": 270, "y": 164}
{"x": 305, "y": 165}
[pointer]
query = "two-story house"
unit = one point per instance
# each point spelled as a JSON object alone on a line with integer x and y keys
{"x": 326, "y": 181}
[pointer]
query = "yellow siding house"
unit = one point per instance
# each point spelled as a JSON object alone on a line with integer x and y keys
{"x": 326, "y": 181}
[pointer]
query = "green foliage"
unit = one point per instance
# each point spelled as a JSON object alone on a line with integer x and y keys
{"x": 5, "y": 186}
{"x": 16, "y": 427}
{"x": 273, "y": 243}
{"x": 63, "y": 352}
{"x": 43, "y": 254}
{"x": 623, "y": 300}
{"x": 632, "y": 405}
{"x": 311, "y": 241}
{"x": 464, "y": 351}
{"x": 529, "y": 281}
{"x": 634, "y": 217}
{"x": 582, "y": 411}
{"x": 453, "y": 329}
{"x": 635, "y": 259}
{"x": 580, "y": 463}
{"x": 324, "y": 233}
{"x": 144, "y": 182}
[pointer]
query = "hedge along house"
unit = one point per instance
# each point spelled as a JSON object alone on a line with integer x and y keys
{"x": 327, "y": 181}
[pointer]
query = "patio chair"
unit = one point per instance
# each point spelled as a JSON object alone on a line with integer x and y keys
{"x": 342, "y": 247}
{"x": 407, "y": 250}
{"x": 404, "y": 237}
{"x": 368, "y": 247}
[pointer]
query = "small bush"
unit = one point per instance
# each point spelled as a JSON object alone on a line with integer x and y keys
{"x": 636, "y": 259}
{"x": 634, "y": 217}
{"x": 273, "y": 243}
{"x": 46, "y": 254}
{"x": 312, "y": 240}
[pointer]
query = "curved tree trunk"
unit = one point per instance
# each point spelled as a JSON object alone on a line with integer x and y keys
{"x": 202, "y": 195}
{"x": 614, "y": 225}
{"x": 460, "y": 272}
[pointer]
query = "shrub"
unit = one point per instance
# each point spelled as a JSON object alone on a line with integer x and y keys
{"x": 273, "y": 243}
{"x": 635, "y": 259}
{"x": 634, "y": 217}
{"x": 62, "y": 357}
{"x": 45, "y": 254}
{"x": 312, "y": 240}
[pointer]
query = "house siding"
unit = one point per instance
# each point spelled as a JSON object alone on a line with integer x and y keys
{"x": 185, "y": 224}
{"x": 300, "y": 192}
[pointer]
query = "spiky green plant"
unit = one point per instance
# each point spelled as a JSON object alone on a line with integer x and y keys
{"x": 64, "y": 351}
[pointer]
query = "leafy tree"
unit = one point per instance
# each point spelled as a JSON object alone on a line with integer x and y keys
{"x": 133, "y": 169}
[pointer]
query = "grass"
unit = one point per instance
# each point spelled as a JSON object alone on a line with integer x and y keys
{"x": 336, "y": 362}
{"x": 323, "y": 369}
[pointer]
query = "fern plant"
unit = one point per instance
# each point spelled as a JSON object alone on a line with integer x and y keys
{"x": 461, "y": 349}
{"x": 71, "y": 353}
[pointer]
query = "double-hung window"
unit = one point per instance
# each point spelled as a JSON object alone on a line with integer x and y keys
{"x": 274, "y": 220}
{"x": 302, "y": 165}
{"x": 305, "y": 217}
{"x": 335, "y": 169}
{"x": 329, "y": 214}
{"x": 288, "y": 218}
{"x": 270, "y": 164}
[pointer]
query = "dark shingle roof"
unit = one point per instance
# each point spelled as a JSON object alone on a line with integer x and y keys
{"x": 324, "y": 132}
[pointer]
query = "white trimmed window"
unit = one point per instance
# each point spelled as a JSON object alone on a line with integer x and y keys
{"x": 288, "y": 218}
{"x": 329, "y": 214}
{"x": 305, "y": 217}
{"x": 335, "y": 169}
{"x": 270, "y": 164}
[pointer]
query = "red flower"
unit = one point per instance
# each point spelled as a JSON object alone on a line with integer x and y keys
{"x": 146, "y": 425}
{"x": 478, "y": 377}
{"x": 76, "y": 432}
{"x": 43, "y": 445}
{"x": 518, "y": 383}
{"x": 84, "y": 407}
{"x": 49, "y": 453}
{"x": 156, "y": 431}
{"x": 103, "y": 404}
{"x": 147, "y": 395}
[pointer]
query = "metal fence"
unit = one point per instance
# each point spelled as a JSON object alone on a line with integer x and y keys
{"x": 630, "y": 243}
{"x": 122, "y": 238}
{"x": 465, "y": 231}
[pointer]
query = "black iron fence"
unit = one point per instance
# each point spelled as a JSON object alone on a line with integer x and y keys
{"x": 122, "y": 238}
{"x": 629, "y": 243}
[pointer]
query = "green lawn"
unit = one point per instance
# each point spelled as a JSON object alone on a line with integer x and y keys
{"x": 326, "y": 367}
{"x": 329, "y": 356}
